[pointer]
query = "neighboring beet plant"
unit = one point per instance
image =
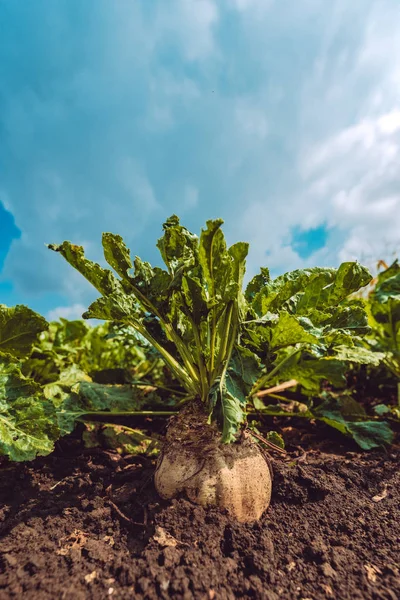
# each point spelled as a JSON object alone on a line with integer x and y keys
{"x": 196, "y": 314}
{"x": 383, "y": 306}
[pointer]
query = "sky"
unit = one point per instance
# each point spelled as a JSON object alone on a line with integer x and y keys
{"x": 281, "y": 117}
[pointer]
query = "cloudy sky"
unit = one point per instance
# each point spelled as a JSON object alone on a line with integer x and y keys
{"x": 282, "y": 117}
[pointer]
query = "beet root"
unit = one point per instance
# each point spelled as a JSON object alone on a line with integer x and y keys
{"x": 193, "y": 462}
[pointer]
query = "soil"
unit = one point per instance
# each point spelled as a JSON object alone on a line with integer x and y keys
{"x": 83, "y": 524}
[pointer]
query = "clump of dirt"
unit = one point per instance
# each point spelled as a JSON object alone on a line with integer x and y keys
{"x": 88, "y": 524}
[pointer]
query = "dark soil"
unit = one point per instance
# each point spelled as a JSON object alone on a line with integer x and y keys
{"x": 86, "y": 524}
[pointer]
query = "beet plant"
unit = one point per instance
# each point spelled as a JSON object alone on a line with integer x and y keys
{"x": 224, "y": 344}
{"x": 383, "y": 307}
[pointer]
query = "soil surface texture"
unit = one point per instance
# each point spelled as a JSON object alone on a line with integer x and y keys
{"x": 88, "y": 524}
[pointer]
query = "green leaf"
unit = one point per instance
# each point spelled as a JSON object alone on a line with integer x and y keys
{"x": 195, "y": 298}
{"x": 245, "y": 367}
{"x": 257, "y": 283}
{"x": 116, "y": 306}
{"x": 340, "y": 408}
{"x": 275, "y": 438}
{"x": 89, "y": 397}
{"x": 57, "y": 391}
{"x": 347, "y": 415}
{"x": 311, "y": 373}
{"x": 130, "y": 441}
{"x": 351, "y": 317}
{"x": 114, "y": 398}
{"x": 371, "y": 434}
{"x": 178, "y": 247}
{"x": 116, "y": 253}
{"x": 243, "y": 371}
{"x": 102, "y": 279}
{"x": 277, "y": 292}
{"x": 385, "y": 299}
{"x": 381, "y": 409}
{"x": 218, "y": 268}
{"x": 358, "y": 354}
{"x": 28, "y": 425}
{"x": 229, "y": 400}
{"x": 233, "y": 416}
{"x": 342, "y": 413}
{"x": 349, "y": 278}
{"x": 20, "y": 328}
{"x": 289, "y": 330}
{"x": 303, "y": 291}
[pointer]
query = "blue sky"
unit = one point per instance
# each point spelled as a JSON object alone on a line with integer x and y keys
{"x": 283, "y": 118}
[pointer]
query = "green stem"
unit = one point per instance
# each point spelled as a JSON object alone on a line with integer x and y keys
{"x": 127, "y": 413}
{"x": 392, "y": 327}
{"x": 278, "y": 397}
{"x": 173, "y": 335}
{"x": 204, "y": 382}
{"x": 183, "y": 351}
{"x": 179, "y": 371}
{"x": 213, "y": 311}
{"x": 262, "y": 382}
{"x": 228, "y": 345}
{"x": 213, "y": 339}
{"x": 155, "y": 438}
{"x": 225, "y": 343}
{"x": 159, "y": 387}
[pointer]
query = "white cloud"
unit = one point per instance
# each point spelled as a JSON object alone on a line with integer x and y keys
{"x": 256, "y": 6}
{"x": 194, "y": 26}
{"x": 267, "y": 117}
{"x": 356, "y": 173}
{"x": 345, "y": 170}
{"x": 72, "y": 312}
{"x": 251, "y": 120}
{"x": 190, "y": 197}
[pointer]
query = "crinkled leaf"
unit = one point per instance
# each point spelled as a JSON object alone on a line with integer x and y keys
{"x": 117, "y": 306}
{"x": 130, "y": 441}
{"x": 116, "y": 253}
{"x": 88, "y": 397}
{"x": 383, "y": 410}
{"x": 310, "y": 373}
{"x": 256, "y": 284}
{"x": 321, "y": 293}
{"x": 195, "y": 298}
{"x": 302, "y": 291}
{"x": 178, "y": 247}
{"x": 238, "y": 253}
{"x": 245, "y": 367}
{"x": 277, "y": 292}
{"x": 350, "y": 317}
{"x": 358, "y": 354}
{"x": 58, "y": 390}
{"x": 385, "y": 298}
{"x": 102, "y": 279}
{"x": 216, "y": 263}
{"x": 154, "y": 285}
{"x": 28, "y": 425}
{"x": 97, "y": 396}
{"x": 68, "y": 332}
{"x": 19, "y": 329}
{"x": 289, "y": 331}
{"x": 340, "y": 407}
